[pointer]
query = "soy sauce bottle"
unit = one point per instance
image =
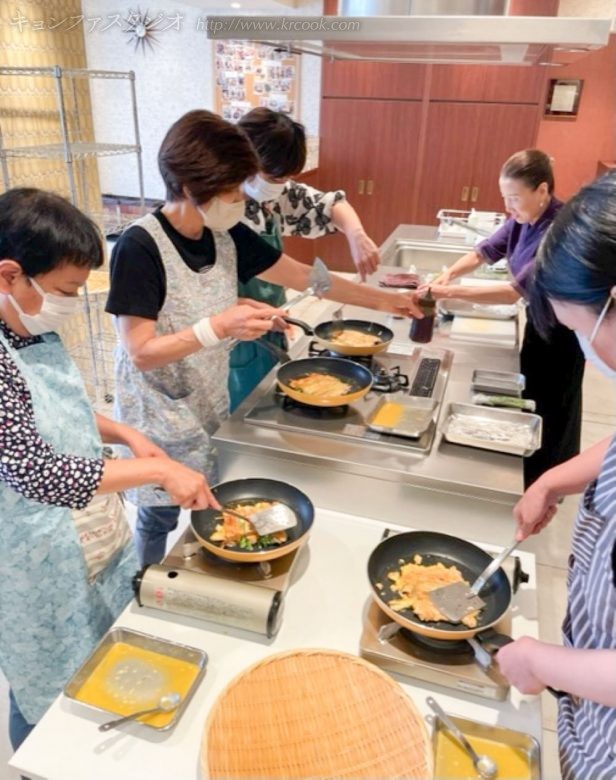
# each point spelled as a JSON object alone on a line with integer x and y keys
{"x": 421, "y": 330}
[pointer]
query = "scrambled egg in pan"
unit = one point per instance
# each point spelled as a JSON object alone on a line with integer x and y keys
{"x": 354, "y": 338}
{"x": 320, "y": 384}
{"x": 413, "y": 582}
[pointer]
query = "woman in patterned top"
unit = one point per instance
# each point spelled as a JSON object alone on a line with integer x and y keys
{"x": 277, "y": 206}
{"x": 575, "y": 280}
{"x": 65, "y": 559}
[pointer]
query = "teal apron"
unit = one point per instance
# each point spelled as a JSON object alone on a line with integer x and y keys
{"x": 249, "y": 362}
{"x": 51, "y": 617}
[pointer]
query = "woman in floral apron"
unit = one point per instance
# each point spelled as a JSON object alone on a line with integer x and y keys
{"x": 278, "y": 207}
{"x": 174, "y": 277}
{"x": 66, "y": 560}
{"x": 575, "y": 280}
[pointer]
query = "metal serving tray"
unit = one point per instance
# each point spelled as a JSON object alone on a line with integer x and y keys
{"x": 499, "y": 430}
{"x": 516, "y": 739}
{"x": 484, "y": 311}
{"x": 417, "y": 414}
{"x": 498, "y": 382}
{"x": 146, "y": 642}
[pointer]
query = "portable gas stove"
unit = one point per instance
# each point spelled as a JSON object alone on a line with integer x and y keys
{"x": 422, "y": 373}
{"x": 192, "y": 581}
{"x": 452, "y": 664}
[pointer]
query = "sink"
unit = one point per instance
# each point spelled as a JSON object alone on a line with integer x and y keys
{"x": 404, "y": 254}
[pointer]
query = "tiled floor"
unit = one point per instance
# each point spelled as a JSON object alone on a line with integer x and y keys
{"x": 599, "y": 422}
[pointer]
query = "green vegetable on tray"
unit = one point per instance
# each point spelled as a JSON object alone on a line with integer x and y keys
{"x": 525, "y": 404}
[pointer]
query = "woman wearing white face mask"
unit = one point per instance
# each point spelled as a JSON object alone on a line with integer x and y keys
{"x": 174, "y": 288}
{"x": 575, "y": 279}
{"x": 67, "y": 559}
{"x": 277, "y": 206}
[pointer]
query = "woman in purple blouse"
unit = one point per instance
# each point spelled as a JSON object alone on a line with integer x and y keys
{"x": 554, "y": 369}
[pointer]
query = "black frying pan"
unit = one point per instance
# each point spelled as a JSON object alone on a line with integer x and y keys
{"x": 437, "y": 548}
{"x": 325, "y": 331}
{"x": 359, "y": 377}
{"x": 204, "y": 521}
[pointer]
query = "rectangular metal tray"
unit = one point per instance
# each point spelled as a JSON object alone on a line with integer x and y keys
{"x": 146, "y": 642}
{"x": 488, "y": 419}
{"x": 418, "y": 412}
{"x": 498, "y": 382}
{"x": 516, "y": 739}
{"x": 484, "y": 311}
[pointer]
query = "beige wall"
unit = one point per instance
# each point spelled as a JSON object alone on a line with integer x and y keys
{"x": 28, "y": 105}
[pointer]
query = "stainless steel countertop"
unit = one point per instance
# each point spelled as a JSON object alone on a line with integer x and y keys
{"x": 447, "y": 469}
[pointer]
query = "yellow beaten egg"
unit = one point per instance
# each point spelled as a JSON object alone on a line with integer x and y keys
{"x": 453, "y": 763}
{"x": 389, "y": 415}
{"x": 129, "y": 678}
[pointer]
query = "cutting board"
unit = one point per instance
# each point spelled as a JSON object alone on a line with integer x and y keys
{"x": 500, "y": 332}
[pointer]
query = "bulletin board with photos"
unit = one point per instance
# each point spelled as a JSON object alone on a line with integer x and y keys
{"x": 249, "y": 75}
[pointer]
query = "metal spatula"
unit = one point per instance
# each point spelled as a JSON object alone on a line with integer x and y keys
{"x": 320, "y": 282}
{"x": 456, "y": 601}
{"x": 277, "y": 517}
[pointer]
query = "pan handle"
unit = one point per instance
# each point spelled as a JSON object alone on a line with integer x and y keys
{"x": 494, "y": 641}
{"x": 300, "y": 324}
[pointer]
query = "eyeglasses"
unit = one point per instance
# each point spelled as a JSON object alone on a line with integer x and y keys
{"x": 604, "y": 311}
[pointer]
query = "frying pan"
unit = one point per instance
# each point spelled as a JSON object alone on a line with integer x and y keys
{"x": 204, "y": 521}
{"x": 437, "y": 548}
{"x": 325, "y": 331}
{"x": 359, "y": 377}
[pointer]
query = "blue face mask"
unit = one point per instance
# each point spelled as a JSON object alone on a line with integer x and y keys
{"x": 592, "y": 357}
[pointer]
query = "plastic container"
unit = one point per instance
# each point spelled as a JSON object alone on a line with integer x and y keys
{"x": 421, "y": 330}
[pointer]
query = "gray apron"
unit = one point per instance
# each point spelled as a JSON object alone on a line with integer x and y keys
{"x": 180, "y": 405}
{"x": 586, "y": 729}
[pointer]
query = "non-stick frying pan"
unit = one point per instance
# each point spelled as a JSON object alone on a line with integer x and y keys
{"x": 357, "y": 376}
{"x": 325, "y": 331}
{"x": 204, "y": 521}
{"x": 437, "y": 548}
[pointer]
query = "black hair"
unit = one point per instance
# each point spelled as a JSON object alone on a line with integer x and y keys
{"x": 279, "y": 141}
{"x": 532, "y": 166}
{"x": 42, "y": 231}
{"x": 576, "y": 261}
{"x": 205, "y": 154}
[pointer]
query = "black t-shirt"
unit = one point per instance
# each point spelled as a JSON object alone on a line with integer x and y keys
{"x": 138, "y": 280}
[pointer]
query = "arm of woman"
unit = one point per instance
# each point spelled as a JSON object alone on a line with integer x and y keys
{"x": 464, "y": 265}
{"x": 307, "y": 212}
{"x": 495, "y": 293}
{"x": 148, "y": 351}
{"x": 537, "y": 506}
{"x": 290, "y": 273}
{"x": 531, "y": 666}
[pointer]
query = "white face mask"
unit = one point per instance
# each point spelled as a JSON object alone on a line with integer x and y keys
{"x": 221, "y": 216}
{"x": 592, "y": 357}
{"x": 56, "y": 309}
{"x": 262, "y": 190}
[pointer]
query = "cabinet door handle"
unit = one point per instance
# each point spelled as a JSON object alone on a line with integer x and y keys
{"x": 474, "y": 194}
{"x": 464, "y": 194}
{"x": 370, "y": 187}
{"x": 360, "y": 187}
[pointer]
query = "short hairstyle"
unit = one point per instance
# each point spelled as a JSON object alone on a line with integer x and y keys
{"x": 205, "y": 154}
{"x": 532, "y": 166}
{"x": 280, "y": 142}
{"x": 576, "y": 261}
{"x": 42, "y": 231}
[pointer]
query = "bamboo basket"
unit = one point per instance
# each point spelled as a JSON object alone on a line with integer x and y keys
{"x": 314, "y": 714}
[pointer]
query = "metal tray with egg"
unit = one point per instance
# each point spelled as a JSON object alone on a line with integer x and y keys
{"x": 402, "y": 415}
{"x": 517, "y": 755}
{"x": 123, "y": 679}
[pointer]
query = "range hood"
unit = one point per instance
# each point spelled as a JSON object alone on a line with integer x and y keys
{"x": 397, "y": 34}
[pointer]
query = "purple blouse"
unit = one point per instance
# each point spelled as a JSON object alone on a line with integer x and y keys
{"x": 519, "y": 244}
